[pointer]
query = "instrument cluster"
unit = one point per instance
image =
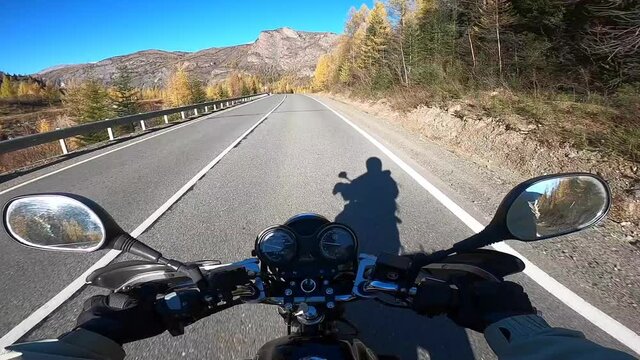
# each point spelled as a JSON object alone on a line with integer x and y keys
{"x": 294, "y": 252}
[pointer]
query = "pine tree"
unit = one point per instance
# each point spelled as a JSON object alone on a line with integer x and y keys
{"x": 89, "y": 102}
{"x": 52, "y": 93}
{"x": 197, "y": 93}
{"x": 125, "y": 96}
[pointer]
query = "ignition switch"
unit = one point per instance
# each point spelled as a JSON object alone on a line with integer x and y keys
{"x": 308, "y": 285}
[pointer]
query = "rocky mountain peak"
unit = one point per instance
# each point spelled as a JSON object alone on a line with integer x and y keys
{"x": 284, "y": 49}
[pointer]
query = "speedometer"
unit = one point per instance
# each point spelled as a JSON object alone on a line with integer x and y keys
{"x": 338, "y": 243}
{"x": 277, "y": 245}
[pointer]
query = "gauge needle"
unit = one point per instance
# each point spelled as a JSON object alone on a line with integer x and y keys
{"x": 330, "y": 243}
{"x": 273, "y": 246}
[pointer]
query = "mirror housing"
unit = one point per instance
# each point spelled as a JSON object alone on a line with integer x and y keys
{"x": 579, "y": 199}
{"x": 343, "y": 175}
{"x": 62, "y": 217}
{"x": 48, "y": 206}
{"x": 507, "y": 222}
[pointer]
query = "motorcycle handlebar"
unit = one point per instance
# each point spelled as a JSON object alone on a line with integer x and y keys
{"x": 183, "y": 307}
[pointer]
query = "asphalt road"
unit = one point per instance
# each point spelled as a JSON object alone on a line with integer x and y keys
{"x": 287, "y": 165}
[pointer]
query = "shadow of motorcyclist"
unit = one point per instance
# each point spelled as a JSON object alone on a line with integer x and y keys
{"x": 371, "y": 207}
{"x": 371, "y": 211}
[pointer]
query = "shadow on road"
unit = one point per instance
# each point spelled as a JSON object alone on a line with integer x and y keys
{"x": 370, "y": 210}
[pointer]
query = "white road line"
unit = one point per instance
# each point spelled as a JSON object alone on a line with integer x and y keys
{"x": 605, "y": 322}
{"x": 176, "y": 127}
{"x": 36, "y": 317}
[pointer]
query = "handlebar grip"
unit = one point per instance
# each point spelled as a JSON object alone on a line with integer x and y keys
{"x": 179, "y": 309}
{"x": 184, "y": 307}
{"x": 435, "y": 299}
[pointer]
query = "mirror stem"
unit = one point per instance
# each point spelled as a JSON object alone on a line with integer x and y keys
{"x": 192, "y": 271}
{"x": 476, "y": 241}
{"x": 420, "y": 259}
{"x": 128, "y": 243}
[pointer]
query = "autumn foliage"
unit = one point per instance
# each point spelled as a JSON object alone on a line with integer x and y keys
{"x": 527, "y": 45}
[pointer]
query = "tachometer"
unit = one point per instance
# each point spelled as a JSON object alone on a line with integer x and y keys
{"x": 277, "y": 245}
{"x": 338, "y": 243}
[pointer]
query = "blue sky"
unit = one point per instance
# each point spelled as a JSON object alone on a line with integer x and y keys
{"x": 36, "y": 34}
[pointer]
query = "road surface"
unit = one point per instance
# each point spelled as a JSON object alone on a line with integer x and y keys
{"x": 288, "y": 164}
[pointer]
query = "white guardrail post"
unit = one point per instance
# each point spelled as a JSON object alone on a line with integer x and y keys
{"x": 110, "y": 132}
{"x": 142, "y": 125}
{"x": 166, "y": 119}
{"x": 63, "y": 145}
{"x": 206, "y": 109}
{"x": 182, "y": 113}
{"x": 195, "y": 111}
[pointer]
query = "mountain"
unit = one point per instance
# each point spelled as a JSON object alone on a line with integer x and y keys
{"x": 275, "y": 52}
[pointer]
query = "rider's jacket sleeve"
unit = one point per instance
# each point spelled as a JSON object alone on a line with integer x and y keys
{"x": 529, "y": 337}
{"x": 78, "y": 344}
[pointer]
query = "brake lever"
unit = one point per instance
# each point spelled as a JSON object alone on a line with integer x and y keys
{"x": 389, "y": 288}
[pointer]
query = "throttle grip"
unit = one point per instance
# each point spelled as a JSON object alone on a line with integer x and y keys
{"x": 435, "y": 299}
{"x": 181, "y": 308}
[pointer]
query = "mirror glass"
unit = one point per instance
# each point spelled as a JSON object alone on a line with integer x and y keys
{"x": 54, "y": 222}
{"x": 557, "y": 206}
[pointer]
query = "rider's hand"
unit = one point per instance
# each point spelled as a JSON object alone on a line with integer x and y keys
{"x": 483, "y": 303}
{"x": 122, "y": 318}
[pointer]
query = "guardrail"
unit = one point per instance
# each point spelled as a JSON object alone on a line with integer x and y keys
{"x": 24, "y": 142}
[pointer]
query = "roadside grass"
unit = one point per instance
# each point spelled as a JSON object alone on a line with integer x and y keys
{"x": 17, "y": 159}
{"x": 609, "y": 125}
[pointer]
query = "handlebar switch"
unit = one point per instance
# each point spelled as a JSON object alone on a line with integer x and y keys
{"x": 391, "y": 267}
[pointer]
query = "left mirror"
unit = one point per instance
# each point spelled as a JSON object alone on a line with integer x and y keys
{"x": 54, "y": 222}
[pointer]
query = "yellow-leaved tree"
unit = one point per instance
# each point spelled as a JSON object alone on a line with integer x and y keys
{"x": 178, "y": 89}
{"x": 372, "y": 42}
{"x": 322, "y": 77}
{"x": 234, "y": 84}
{"x": 346, "y": 55}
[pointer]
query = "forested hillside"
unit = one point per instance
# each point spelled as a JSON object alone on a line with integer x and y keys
{"x": 569, "y": 67}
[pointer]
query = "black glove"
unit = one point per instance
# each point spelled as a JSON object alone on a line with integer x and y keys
{"x": 122, "y": 318}
{"x": 434, "y": 299}
{"x": 481, "y": 304}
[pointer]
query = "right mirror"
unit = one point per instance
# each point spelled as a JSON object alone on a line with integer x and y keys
{"x": 556, "y": 206}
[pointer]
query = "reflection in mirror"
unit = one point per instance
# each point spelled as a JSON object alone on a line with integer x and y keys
{"x": 556, "y": 206}
{"x": 54, "y": 222}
